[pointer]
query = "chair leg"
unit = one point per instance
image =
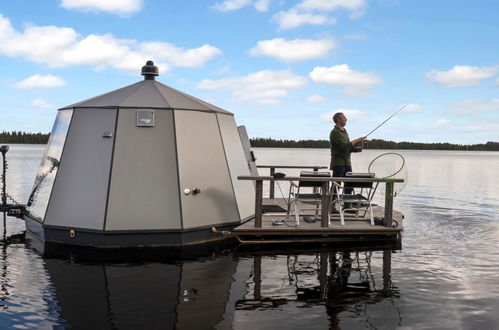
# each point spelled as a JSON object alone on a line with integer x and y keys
{"x": 297, "y": 214}
{"x": 371, "y": 214}
{"x": 329, "y": 210}
{"x": 340, "y": 210}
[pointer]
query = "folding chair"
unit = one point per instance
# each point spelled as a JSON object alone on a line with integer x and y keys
{"x": 354, "y": 196}
{"x": 305, "y": 192}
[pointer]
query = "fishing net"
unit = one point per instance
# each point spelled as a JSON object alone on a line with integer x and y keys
{"x": 390, "y": 165}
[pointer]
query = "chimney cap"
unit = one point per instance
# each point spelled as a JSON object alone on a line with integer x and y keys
{"x": 150, "y": 71}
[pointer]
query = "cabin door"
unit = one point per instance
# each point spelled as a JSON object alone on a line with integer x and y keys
{"x": 207, "y": 197}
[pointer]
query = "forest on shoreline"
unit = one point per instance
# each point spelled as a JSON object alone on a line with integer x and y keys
{"x": 41, "y": 138}
{"x": 23, "y": 137}
{"x": 375, "y": 144}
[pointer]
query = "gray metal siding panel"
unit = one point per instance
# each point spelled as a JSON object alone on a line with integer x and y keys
{"x": 79, "y": 194}
{"x": 243, "y": 135}
{"x": 202, "y": 165}
{"x": 144, "y": 183}
{"x": 234, "y": 153}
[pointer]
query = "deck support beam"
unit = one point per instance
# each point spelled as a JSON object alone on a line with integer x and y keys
{"x": 389, "y": 204}
{"x": 258, "y": 203}
{"x": 257, "y": 277}
{"x": 325, "y": 205}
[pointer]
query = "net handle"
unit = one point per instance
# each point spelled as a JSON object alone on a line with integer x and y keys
{"x": 388, "y": 153}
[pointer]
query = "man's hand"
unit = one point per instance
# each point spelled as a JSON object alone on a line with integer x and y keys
{"x": 357, "y": 144}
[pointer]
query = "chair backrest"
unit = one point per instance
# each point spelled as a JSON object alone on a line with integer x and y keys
{"x": 359, "y": 184}
{"x": 312, "y": 174}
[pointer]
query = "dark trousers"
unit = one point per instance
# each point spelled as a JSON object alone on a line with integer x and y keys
{"x": 339, "y": 171}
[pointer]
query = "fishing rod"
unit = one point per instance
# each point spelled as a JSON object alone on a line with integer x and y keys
{"x": 387, "y": 119}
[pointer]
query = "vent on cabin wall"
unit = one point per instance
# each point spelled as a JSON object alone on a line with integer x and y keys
{"x": 145, "y": 118}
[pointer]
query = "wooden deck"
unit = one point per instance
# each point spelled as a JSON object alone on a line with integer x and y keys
{"x": 354, "y": 230}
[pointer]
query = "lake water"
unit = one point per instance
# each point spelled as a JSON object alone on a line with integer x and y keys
{"x": 446, "y": 276}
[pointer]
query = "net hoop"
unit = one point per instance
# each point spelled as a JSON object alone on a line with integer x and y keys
{"x": 388, "y": 153}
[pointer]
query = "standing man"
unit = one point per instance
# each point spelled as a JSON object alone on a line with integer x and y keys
{"x": 341, "y": 146}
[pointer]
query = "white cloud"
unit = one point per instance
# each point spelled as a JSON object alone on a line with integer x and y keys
{"x": 119, "y": 7}
{"x": 293, "y": 18}
{"x": 357, "y": 7}
{"x": 352, "y": 113}
{"x": 63, "y": 47}
{"x": 413, "y": 108}
{"x": 314, "y": 99}
{"x": 262, "y": 5}
{"x": 469, "y": 107}
{"x": 462, "y": 76}
{"x": 331, "y": 5}
{"x": 441, "y": 123}
{"x": 497, "y": 82}
{"x": 40, "y": 104}
{"x": 355, "y": 83}
{"x": 315, "y": 12}
{"x": 484, "y": 128}
{"x": 39, "y": 81}
{"x": 179, "y": 57}
{"x": 349, "y": 113}
{"x": 230, "y": 5}
{"x": 264, "y": 87}
{"x": 293, "y": 50}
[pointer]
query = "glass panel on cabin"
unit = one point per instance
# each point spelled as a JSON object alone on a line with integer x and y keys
{"x": 44, "y": 181}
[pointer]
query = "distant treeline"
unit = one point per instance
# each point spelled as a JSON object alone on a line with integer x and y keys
{"x": 41, "y": 138}
{"x": 23, "y": 137}
{"x": 374, "y": 144}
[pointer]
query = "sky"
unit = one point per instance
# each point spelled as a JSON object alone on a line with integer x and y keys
{"x": 283, "y": 67}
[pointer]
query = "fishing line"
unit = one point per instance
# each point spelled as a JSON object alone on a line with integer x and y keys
{"x": 387, "y": 119}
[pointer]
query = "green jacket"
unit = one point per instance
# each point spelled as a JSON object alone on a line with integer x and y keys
{"x": 340, "y": 147}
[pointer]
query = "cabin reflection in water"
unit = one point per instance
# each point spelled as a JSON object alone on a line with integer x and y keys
{"x": 237, "y": 291}
{"x": 142, "y": 296}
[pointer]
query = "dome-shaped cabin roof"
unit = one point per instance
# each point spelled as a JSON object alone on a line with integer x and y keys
{"x": 147, "y": 94}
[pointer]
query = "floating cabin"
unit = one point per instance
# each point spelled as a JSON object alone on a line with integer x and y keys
{"x": 149, "y": 166}
{"x": 144, "y": 165}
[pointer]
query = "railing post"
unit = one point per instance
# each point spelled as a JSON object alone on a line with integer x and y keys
{"x": 325, "y": 205}
{"x": 258, "y": 203}
{"x": 389, "y": 204}
{"x": 271, "y": 183}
